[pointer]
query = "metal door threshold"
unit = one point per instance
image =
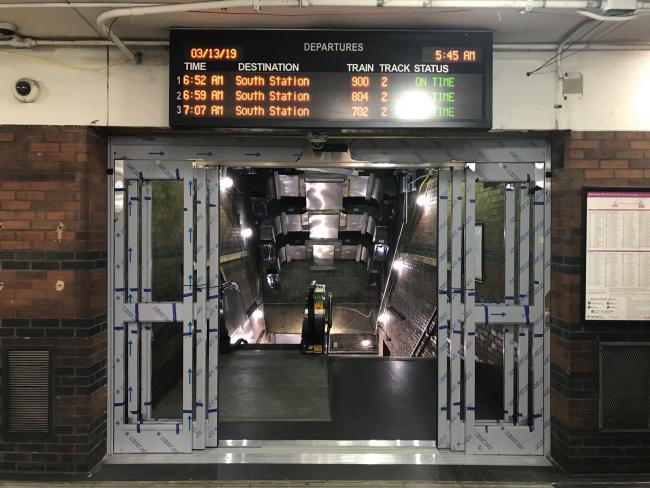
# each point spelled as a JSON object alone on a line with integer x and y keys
{"x": 330, "y": 452}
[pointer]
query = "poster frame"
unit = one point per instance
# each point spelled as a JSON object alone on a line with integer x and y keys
{"x": 583, "y": 253}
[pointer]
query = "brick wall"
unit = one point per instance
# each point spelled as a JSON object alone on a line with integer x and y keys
{"x": 233, "y": 218}
{"x": 413, "y": 297}
{"x": 348, "y": 283}
{"x": 57, "y": 174}
{"x": 50, "y": 175}
{"x": 422, "y": 233}
{"x": 609, "y": 159}
{"x": 490, "y": 212}
{"x": 235, "y": 215}
{"x": 412, "y": 303}
{"x": 243, "y": 271}
{"x": 167, "y": 241}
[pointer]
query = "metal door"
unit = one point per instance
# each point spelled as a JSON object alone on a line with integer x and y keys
{"x": 193, "y": 316}
{"x": 520, "y": 318}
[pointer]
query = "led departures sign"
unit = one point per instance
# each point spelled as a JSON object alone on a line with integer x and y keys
{"x": 330, "y": 79}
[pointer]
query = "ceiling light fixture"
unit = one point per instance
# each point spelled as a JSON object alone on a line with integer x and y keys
{"x": 422, "y": 200}
{"x": 226, "y": 182}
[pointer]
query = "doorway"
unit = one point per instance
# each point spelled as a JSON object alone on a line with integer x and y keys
{"x": 287, "y": 228}
{"x": 183, "y": 288}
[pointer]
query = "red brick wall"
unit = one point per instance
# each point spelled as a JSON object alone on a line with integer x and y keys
{"x": 50, "y": 175}
{"x": 608, "y": 159}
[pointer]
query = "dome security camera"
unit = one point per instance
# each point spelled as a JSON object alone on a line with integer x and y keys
{"x": 27, "y": 90}
{"x": 7, "y": 30}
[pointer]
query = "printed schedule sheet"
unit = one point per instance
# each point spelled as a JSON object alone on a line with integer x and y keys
{"x": 617, "y": 256}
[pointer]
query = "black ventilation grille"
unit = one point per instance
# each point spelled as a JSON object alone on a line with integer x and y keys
{"x": 28, "y": 391}
{"x": 625, "y": 386}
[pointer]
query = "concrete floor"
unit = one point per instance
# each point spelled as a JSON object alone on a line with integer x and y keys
{"x": 369, "y": 398}
{"x": 284, "y": 394}
{"x": 273, "y": 386}
{"x": 264, "y": 386}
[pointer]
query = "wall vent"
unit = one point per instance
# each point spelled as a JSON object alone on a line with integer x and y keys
{"x": 625, "y": 386}
{"x": 28, "y": 391}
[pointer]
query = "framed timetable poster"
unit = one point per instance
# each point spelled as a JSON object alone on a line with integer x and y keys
{"x": 616, "y": 254}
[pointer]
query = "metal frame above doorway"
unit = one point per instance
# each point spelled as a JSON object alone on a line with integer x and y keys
{"x": 205, "y": 152}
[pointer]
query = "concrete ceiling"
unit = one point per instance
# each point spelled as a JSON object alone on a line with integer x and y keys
{"x": 509, "y": 25}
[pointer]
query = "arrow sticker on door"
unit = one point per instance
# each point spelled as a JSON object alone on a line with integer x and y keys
{"x": 190, "y": 280}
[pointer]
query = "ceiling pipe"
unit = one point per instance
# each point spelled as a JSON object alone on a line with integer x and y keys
{"x": 585, "y": 25}
{"x": 559, "y": 4}
{"x": 19, "y": 42}
{"x": 105, "y": 19}
{"x": 571, "y": 4}
{"x": 28, "y": 42}
{"x": 534, "y": 47}
{"x": 77, "y": 5}
{"x": 607, "y": 18}
{"x": 514, "y": 4}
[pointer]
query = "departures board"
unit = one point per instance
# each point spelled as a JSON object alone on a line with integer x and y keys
{"x": 339, "y": 79}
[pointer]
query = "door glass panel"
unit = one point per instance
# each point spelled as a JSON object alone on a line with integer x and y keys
{"x": 167, "y": 370}
{"x": 490, "y": 214}
{"x": 489, "y": 372}
{"x": 167, "y": 244}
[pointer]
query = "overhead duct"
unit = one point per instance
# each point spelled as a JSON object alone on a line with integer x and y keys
{"x": 323, "y": 221}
